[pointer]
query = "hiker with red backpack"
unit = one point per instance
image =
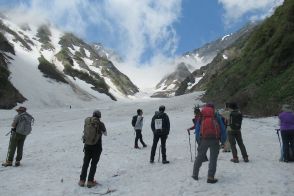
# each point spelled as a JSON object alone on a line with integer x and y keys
{"x": 209, "y": 131}
{"x": 92, "y": 139}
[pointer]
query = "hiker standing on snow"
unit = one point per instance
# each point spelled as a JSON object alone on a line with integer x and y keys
{"x": 160, "y": 126}
{"x": 197, "y": 116}
{"x": 209, "y": 132}
{"x": 235, "y": 135}
{"x": 21, "y": 127}
{"x": 226, "y": 115}
{"x": 137, "y": 123}
{"x": 92, "y": 138}
{"x": 287, "y": 130}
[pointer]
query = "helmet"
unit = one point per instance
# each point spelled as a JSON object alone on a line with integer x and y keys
{"x": 97, "y": 114}
{"x": 161, "y": 108}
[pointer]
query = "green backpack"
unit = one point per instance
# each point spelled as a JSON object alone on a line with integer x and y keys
{"x": 91, "y": 131}
{"x": 236, "y": 118}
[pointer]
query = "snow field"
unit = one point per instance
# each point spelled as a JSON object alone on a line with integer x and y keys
{"x": 53, "y": 155}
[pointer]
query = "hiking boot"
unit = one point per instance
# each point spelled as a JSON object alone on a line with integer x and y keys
{"x": 144, "y": 145}
{"x": 81, "y": 183}
{"x": 211, "y": 180}
{"x": 195, "y": 177}
{"x": 137, "y": 147}
{"x": 91, "y": 184}
{"x": 235, "y": 160}
{"x": 246, "y": 159}
{"x": 17, "y": 163}
{"x": 151, "y": 161}
{"x": 165, "y": 162}
{"x": 7, "y": 163}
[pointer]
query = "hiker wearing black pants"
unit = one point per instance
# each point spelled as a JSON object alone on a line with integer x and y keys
{"x": 160, "y": 126}
{"x": 235, "y": 135}
{"x": 138, "y": 129}
{"x": 209, "y": 131}
{"x": 92, "y": 138}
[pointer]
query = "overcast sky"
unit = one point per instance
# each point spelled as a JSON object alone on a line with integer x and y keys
{"x": 146, "y": 33}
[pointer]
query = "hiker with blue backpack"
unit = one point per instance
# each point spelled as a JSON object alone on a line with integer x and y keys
{"x": 287, "y": 131}
{"x": 209, "y": 131}
{"x": 235, "y": 135}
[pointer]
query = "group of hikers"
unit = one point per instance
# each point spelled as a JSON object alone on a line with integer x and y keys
{"x": 213, "y": 130}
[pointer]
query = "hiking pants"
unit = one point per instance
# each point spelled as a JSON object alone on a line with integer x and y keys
{"x": 91, "y": 153}
{"x": 288, "y": 142}
{"x": 236, "y": 136}
{"x": 156, "y": 138}
{"x": 213, "y": 145}
{"x": 16, "y": 142}
{"x": 139, "y": 137}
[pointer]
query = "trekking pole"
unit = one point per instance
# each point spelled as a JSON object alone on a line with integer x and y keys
{"x": 190, "y": 146}
{"x": 7, "y": 133}
{"x": 195, "y": 149}
{"x": 281, "y": 149}
{"x": 159, "y": 153}
{"x": 279, "y": 137}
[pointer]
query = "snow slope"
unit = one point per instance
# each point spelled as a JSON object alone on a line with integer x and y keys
{"x": 53, "y": 155}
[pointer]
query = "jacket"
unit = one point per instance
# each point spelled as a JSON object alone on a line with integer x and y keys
{"x": 286, "y": 121}
{"x": 165, "y": 123}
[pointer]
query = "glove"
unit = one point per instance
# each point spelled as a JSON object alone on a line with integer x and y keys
{"x": 13, "y": 129}
{"x": 105, "y": 133}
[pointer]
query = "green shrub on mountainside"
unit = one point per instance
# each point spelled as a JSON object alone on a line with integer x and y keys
{"x": 17, "y": 37}
{"x": 49, "y": 70}
{"x": 261, "y": 78}
{"x": 9, "y": 95}
{"x": 93, "y": 79}
{"x": 44, "y": 35}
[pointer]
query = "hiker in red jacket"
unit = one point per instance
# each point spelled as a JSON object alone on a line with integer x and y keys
{"x": 209, "y": 131}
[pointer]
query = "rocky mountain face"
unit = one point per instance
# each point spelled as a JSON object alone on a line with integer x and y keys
{"x": 259, "y": 72}
{"x": 165, "y": 88}
{"x": 196, "y": 61}
{"x": 62, "y": 58}
{"x": 9, "y": 95}
{"x": 198, "y": 80}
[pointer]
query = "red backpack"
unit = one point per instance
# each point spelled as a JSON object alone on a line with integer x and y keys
{"x": 209, "y": 125}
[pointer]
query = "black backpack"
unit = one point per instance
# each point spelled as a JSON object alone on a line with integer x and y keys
{"x": 236, "y": 118}
{"x": 134, "y": 120}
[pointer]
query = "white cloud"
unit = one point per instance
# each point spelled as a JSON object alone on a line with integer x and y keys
{"x": 235, "y": 9}
{"x": 135, "y": 26}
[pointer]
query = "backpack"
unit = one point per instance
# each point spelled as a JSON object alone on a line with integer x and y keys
{"x": 236, "y": 118}
{"x": 209, "y": 124}
{"x": 91, "y": 131}
{"x": 134, "y": 120}
{"x": 24, "y": 126}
